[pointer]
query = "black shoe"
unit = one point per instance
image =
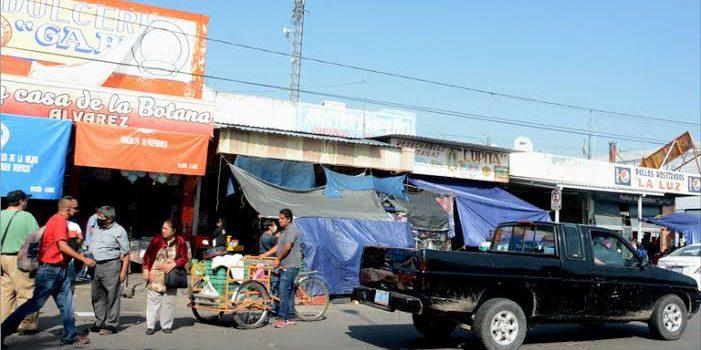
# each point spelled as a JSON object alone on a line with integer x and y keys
{"x": 150, "y": 331}
{"x": 167, "y": 330}
{"x": 95, "y": 329}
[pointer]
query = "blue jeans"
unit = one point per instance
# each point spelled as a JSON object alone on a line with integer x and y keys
{"x": 49, "y": 281}
{"x": 287, "y": 294}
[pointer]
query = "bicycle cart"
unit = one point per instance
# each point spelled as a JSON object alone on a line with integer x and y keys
{"x": 244, "y": 291}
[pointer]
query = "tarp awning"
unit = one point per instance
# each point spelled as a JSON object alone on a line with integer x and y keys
{"x": 268, "y": 199}
{"x": 483, "y": 207}
{"x": 424, "y": 212}
{"x": 334, "y": 246}
{"x": 686, "y": 223}
{"x": 337, "y": 183}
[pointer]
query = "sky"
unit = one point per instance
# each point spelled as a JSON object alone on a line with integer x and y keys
{"x": 640, "y": 57}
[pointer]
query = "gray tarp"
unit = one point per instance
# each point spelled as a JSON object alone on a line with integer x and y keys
{"x": 424, "y": 212}
{"x": 268, "y": 199}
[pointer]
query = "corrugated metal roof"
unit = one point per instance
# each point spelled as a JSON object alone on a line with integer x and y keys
{"x": 446, "y": 142}
{"x": 369, "y": 142}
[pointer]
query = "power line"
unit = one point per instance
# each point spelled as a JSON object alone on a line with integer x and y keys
{"x": 417, "y": 79}
{"x": 308, "y": 87}
{"x": 463, "y": 115}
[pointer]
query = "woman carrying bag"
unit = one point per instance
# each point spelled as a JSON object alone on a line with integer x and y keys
{"x": 164, "y": 271}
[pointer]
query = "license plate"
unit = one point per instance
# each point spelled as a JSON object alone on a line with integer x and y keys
{"x": 381, "y": 297}
{"x": 677, "y": 269}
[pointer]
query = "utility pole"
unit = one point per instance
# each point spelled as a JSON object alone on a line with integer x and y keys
{"x": 297, "y": 34}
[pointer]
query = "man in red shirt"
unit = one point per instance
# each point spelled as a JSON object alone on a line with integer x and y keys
{"x": 52, "y": 277}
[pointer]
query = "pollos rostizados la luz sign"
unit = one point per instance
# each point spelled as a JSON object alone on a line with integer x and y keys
{"x": 657, "y": 180}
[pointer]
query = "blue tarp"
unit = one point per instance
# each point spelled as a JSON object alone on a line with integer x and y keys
{"x": 337, "y": 182}
{"x": 687, "y": 223}
{"x": 34, "y": 155}
{"x": 284, "y": 173}
{"x": 334, "y": 246}
{"x": 482, "y": 207}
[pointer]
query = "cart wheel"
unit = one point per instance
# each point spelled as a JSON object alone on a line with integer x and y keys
{"x": 251, "y": 303}
{"x": 311, "y": 299}
{"x": 205, "y": 316}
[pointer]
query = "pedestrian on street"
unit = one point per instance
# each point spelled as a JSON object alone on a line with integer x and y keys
{"x": 110, "y": 249}
{"x": 268, "y": 238}
{"x": 52, "y": 277}
{"x": 165, "y": 252}
{"x": 267, "y": 246}
{"x": 85, "y": 272}
{"x": 16, "y": 287}
{"x": 75, "y": 240}
{"x": 219, "y": 235}
{"x": 289, "y": 261}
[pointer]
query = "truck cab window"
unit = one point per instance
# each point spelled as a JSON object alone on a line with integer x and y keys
{"x": 609, "y": 250}
{"x": 544, "y": 240}
{"x": 573, "y": 241}
{"x": 525, "y": 239}
{"x": 502, "y": 238}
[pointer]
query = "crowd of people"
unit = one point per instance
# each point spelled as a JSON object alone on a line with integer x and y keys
{"x": 101, "y": 253}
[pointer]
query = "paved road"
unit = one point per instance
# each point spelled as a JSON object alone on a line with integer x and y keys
{"x": 346, "y": 327}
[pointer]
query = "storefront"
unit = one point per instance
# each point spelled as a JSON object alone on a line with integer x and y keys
{"x": 606, "y": 194}
{"x": 141, "y": 127}
{"x": 474, "y": 177}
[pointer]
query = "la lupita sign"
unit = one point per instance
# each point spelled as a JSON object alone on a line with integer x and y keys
{"x": 441, "y": 160}
{"x": 657, "y": 180}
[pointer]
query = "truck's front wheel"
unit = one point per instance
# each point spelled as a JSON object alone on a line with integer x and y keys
{"x": 433, "y": 326}
{"x": 668, "y": 319}
{"x": 500, "y": 324}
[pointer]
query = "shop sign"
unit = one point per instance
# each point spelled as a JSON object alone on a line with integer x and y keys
{"x": 457, "y": 162}
{"x": 633, "y": 199}
{"x": 328, "y": 120}
{"x": 656, "y": 179}
{"x": 608, "y": 176}
{"x": 353, "y": 123}
{"x": 19, "y": 95}
{"x": 130, "y": 46}
{"x": 33, "y": 157}
{"x": 140, "y": 149}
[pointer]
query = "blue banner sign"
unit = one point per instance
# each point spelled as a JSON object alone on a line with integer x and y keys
{"x": 33, "y": 156}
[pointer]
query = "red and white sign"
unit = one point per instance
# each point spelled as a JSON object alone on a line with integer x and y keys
{"x": 28, "y": 97}
{"x": 113, "y": 43}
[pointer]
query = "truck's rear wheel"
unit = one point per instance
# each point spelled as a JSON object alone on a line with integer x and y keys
{"x": 433, "y": 326}
{"x": 500, "y": 324}
{"x": 668, "y": 319}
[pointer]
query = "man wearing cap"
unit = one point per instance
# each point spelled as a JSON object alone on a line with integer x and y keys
{"x": 110, "y": 248}
{"x": 16, "y": 286}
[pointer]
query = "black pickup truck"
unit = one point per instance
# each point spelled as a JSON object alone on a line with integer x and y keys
{"x": 534, "y": 272}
